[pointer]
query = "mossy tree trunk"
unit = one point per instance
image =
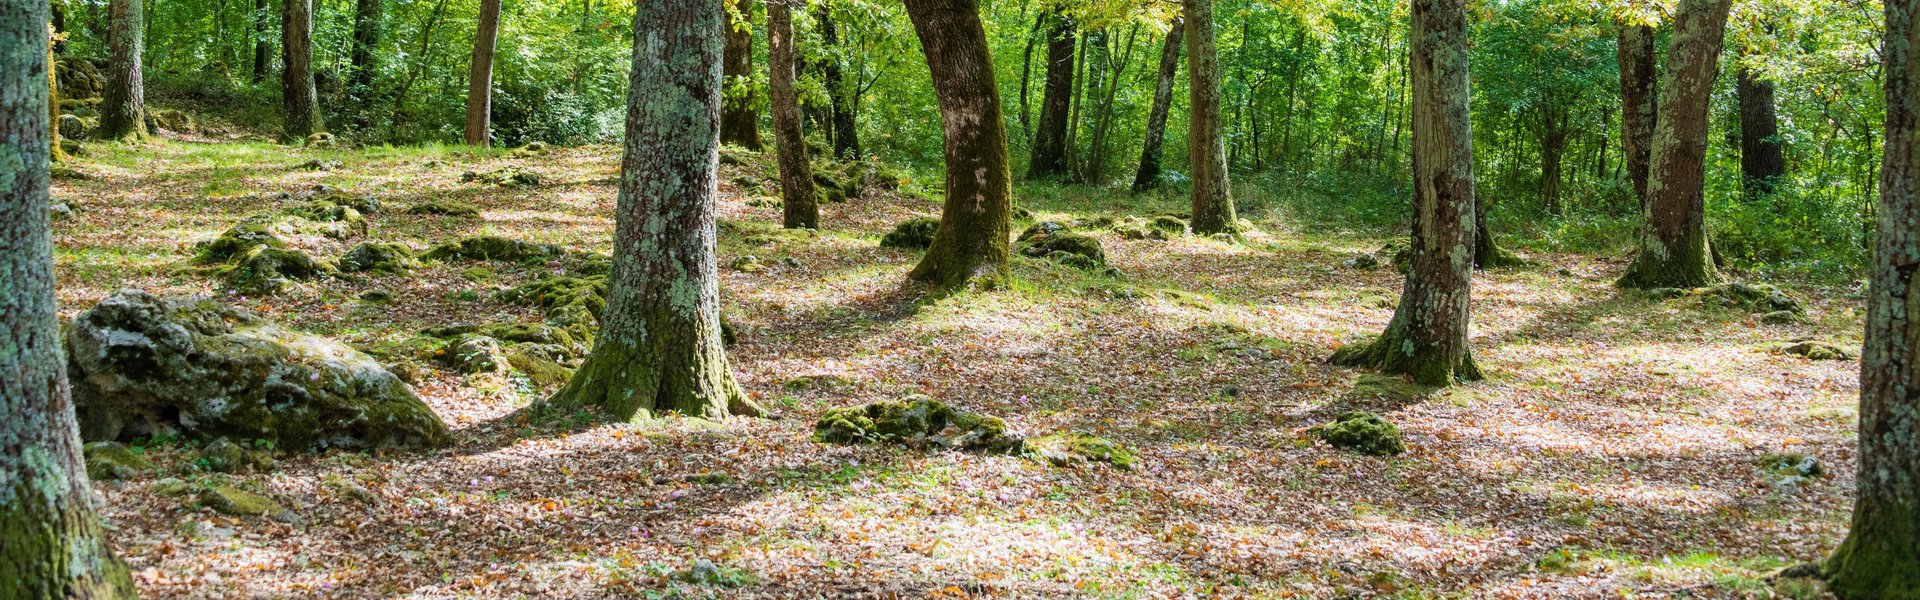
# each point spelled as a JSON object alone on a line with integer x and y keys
{"x": 801, "y": 210}
{"x": 1049, "y": 157}
{"x": 1880, "y": 558}
{"x": 1762, "y": 161}
{"x": 660, "y": 345}
{"x": 1206, "y": 144}
{"x": 840, "y": 91}
{"x": 123, "y": 109}
{"x": 1674, "y": 250}
{"x": 299, "y": 100}
{"x": 51, "y": 542}
{"x": 1427, "y": 339}
{"x": 977, "y": 220}
{"x": 739, "y": 121}
{"x": 262, "y": 49}
{"x": 53, "y": 98}
{"x": 1148, "y": 176}
{"x": 479, "y": 124}
{"x": 1638, "y": 97}
{"x": 364, "y": 61}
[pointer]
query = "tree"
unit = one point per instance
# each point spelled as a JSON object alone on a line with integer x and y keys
{"x": 846, "y": 133}
{"x": 262, "y": 49}
{"x": 1427, "y": 339}
{"x": 123, "y": 113}
{"x": 801, "y": 210}
{"x": 51, "y": 542}
{"x": 299, "y": 99}
{"x": 739, "y": 122}
{"x": 479, "y": 130}
{"x": 58, "y": 155}
{"x": 1881, "y": 555}
{"x": 978, "y": 216}
{"x": 1206, "y": 144}
{"x": 1674, "y": 248}
{"x": 660, "y": 348}
{"x": 1148, "y": 177}
{"x": 1638, "y": 96}
{"x": 364, "y": 61}
{"x": 1049, "y": 158}
{"x": 1762, "y": 161}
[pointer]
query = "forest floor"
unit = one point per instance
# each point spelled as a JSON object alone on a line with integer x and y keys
{"x": 1611, "y": 453}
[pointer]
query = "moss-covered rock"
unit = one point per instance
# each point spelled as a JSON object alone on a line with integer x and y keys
{"x": 445, "y": 208}
{"x": 79, "y": 80}
{"x": 555, "y": 292}
{"x": 1810, "y": 350}
{"x": 1070, "y": 249}
{"x": 113, "y": 460}
{"x": 509, "y": 176}
{"x": 143, "y": 365}
{"x": 265, "y": 270}
{"x": 912, "y": 234}
{"x": 917, "y": 420}
{"x": 1043, "y": 228}
{"x": 1395, "y": 253}
{"x": 225, "y": 456}
{"x": 328, "y": 211}
{"x": 170, "y": 120}
{"x": 531, "y": 150}
{"x": 1169, "y": 224}
{"x": 316, "y": 164}
{"x": 1750, "y": 297}
{"x": 1788, "y": 468}
{"x": 538, "y": 366}
{"x": 321, "y": 139}
{"x": 1073, "y": 449}
{"x": 74, "y": 128}
{"x": 476, "y": 354}
{"x": 229, "y": 500}
{"x": 736, "y": 156}
{"x": 493, "y": 247}
{"x": 1363, "y": 433}
{"x": 379, "y": 257}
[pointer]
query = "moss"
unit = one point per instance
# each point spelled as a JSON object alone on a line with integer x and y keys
{"x": 1364, "y": 433}
{"x": 379, "y": 257}
{"x": 114, "y": 460}
{"x": 916, "y": 420}
{"x": 1072, "y": 449}
{"x": 445, "y": 208}
{"x": 1782, "y": 465}
{"x": 1391, "y": 391}
{"x": 557, "y": 292}
{"x": 1043, "y": 228}
{"x": 320, "y": 139}
{"x": 1169, "y": 224}
{"x": 224, "y": 456}
{"x": 493, "y": 247}
{"x": 541, "y": 369}
{"x": 473, "y": 354}
{"x": 912, "y": 234}
{"x": 1070, "y": 249}
{"x": 509, "y": 176}
{"x": 265, "y": 270}
{"x": 531, "y": 150}
{"x": 1750, "y": 297}
{"x": 229, "y": 500}
{"x": 1810, "y": 349}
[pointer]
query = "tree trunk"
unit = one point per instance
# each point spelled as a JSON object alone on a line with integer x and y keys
{"x": 51, "y": 542}
{"x": 1212, "y": 200}
{"x": 1049, "y": 160}
{"x": 1881, "y": 555}
{"x": 1427, "y": 339}
{"x": 739, "y": 122}
{"x": 1762, "y": 162}
{"x": 1674, "y": 250}
{"x": 846, "y": 134}
{"x": 479, "y": 130}
{"x": 1638, "y": 98}
{"x": 1026, "y": 78}
{"x": 262, "y": 50}
{"x": 977, "y": 218}
{"x": 299, "y": 100}
{"x": 1553, "y": 149}
{"x": 659, "y": 349}
{"x": 1148, "y": 177}
{"x": 364, "y": 65}
{"x": 1117, "y": 64}
{"x": 123, "y": 112}
{"x": 802, "y": 210}
{"x": 58, "y": 155}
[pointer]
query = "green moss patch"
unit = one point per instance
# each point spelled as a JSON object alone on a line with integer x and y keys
{"x": 1074, "y": 449}
{"x": 912, "y": 234}
{"x": 1810, "y": 350}
{"x": 1362, "y": 433}
{"x": 445, "y": 208}
{"x": 917, "y": 421}
{"x": 493, "y": 247}
{"x": 114, "y": 460}
{"x": 379, "y": 257}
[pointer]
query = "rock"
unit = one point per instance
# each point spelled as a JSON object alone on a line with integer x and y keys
{"x": 318, "y": 165}
{"x": 1363, "y": 262}
{"x": 79, "y": 80}
{"x": 113, "y": 460}
{"x": 257, "y": 256}
{"x": 60, "y": 210}
{"x": 492, "y": 247}
{"x": 917, "y": 420}
{"x": 1022, "y": 213}
{"x": 376, "y": 297}
{"x": 170, "y": 120}
{"x": 477, "y": 354}
{"x": 1074, "y": 449}
{"x": 735, "y": 156}
{"x": 224, "y": 456}
{"x": 748, "y": 264}
{"x": 509, "y": 176}
{"x": 379, "y": 257}
{"x": 765, "y": 202}
{"x": 912, "y": 234}
{"x": 172, "y": 487}
{"x": 1377, "y": 301}
{"x": 530, "y": 150}
{"x": 74, "y": 128}
{"x": 321, "y": 139}
{"x": 327, "y": 211}
{"x": 445, "y": 208}
{"x": 1782, "y": 317}
{"x": 229, "y": 500}
{"x": 1362, "y": 432}
{"x": 143, "y": 365}
{"x": 1761, "y": 298}
{"x": 540, "y": 367}
{"x": 1811, "y": 350}
{"x": 72, "y": 147}
{"x": 1169, "y": 224}
{"x": 557, "y": 292}
{"x": 1396, "y": 253}
{"x": 1788, "y": 468}
{"x": 1043, "y": 228}
{"x": 1070, "y": 249}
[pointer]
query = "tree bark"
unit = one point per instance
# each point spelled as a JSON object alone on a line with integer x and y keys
{"x": 1148, "y": 176}
{"x": 1762, "y": 161}
{"x": 51, "y": 542}
{"x": 1674, "y": 250}
{"x": 1049, "y": 160}
{"x": 479, "y": 129}
{"x": 1638, "y": 99}
{"x": 976, "y": 222}
{"x": 1206, "y": 145}
{"x": 364, "y": 60}
{"x": 262, "y": 50}
{"x": 1427, "y": 339}
{"x": 123, "y": 112}
{"x": 659, "y": 349}
{"x": 299, "y": 100}
{"x": 1881, "y": 555}
{"x": 57, "y": 154}
{"x": 846, "y": 133}
{"x": 801, "y": 209}
{"x": 739, "y": 122}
